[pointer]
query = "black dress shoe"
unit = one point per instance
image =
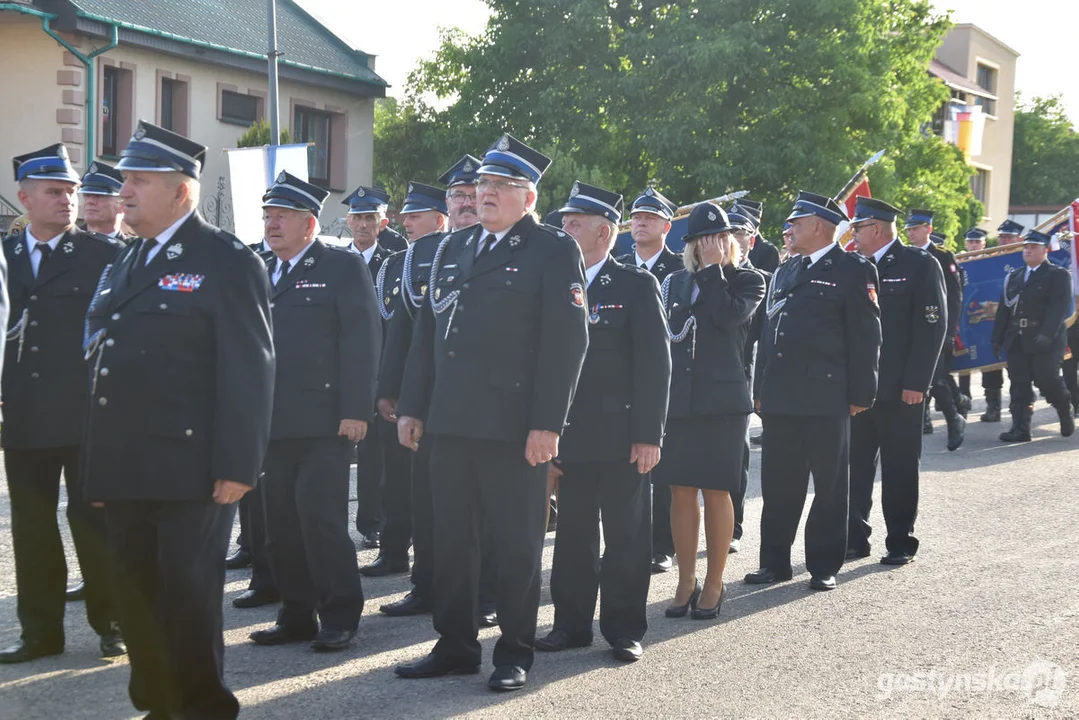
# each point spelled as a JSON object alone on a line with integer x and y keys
{"x": 76, "y": 592}
{"x": 434, "y": 666}
{"x": 626, "y": 650}
{"x": 508, "y": 677}
{"x": 411, "y": 604}
{"x": 558, "y": 640}
{"x": 896, "y": 558}
{"x": 858, "y": 553}
{"x": 700, "y": 613}
{"x": 661, "y": 563}
{"x": 677, "y": 611}
{"x": 256, "y": 598}
{"x": 383, "y": 566}
{"x": 822, "y": 582}
{"x": 112, "y": 645}
{"x": 766, "y": 576}
{"x": 332, "y": 640}
{"x": 282, "y": 635}
{"x": 23, "y": 651}
{"x": 736, "y": 545}
{"x": 488, "y": 617}
{"x": 372, "y": 540}
{"x": 239, "y": 559}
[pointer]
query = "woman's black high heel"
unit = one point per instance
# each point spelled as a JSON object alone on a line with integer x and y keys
{"x": 700, "y": 613}
{"x": 677, "y": 611}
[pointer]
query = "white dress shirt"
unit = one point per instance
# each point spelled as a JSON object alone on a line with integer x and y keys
{"x": 487, "y": 238}
{"x": 815, "y": 256}
{"x": 649, "y": 262}
{"x": 35, "y": 254}
{"x": 590, "y": 273}
{"x": 883, "y": 251}
{"x": 164, "y": 236}
{"x": 292, "y": 263}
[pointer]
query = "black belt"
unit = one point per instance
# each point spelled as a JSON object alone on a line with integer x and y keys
{"x": 1027, "y": 322}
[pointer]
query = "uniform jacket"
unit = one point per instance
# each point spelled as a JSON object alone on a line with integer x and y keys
{"x": 764, "y": 255}
{"x": 391, "y": 241}
{"x": 327, "y": 335}
{"x": 821, "y": 340}
{"x": 667, "y": 263}
{"x": 401, "y": 302}
{"x": 182, "y": 370}
{"x": 708, "y": 375}
{"x": 624, "y": 387}
{"x": 760, "y": 318}
{"x": 913, "y": 318}
{"x": 502, "y": 356}
{"x": 953, "y": 289}
{"x": 1040, "y": 307}
{"x": 44, "y": 381}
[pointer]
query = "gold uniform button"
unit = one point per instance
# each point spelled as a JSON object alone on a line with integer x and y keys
{"x": 102, "y": 401}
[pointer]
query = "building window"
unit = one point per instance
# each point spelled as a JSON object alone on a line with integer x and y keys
{"x": 172, "y": 110}
{"x": 239, "y": 109}
{"x": 979, "y": 185}
{"x": 117, "y": 88}
{"x": 987, "y": 80}
{"x": 313, "y": 126}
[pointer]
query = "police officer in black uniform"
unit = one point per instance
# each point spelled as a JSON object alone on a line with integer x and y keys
{"x": 745, "y": 231}
{"x": 327, "y": 335}
{"x": 650, "y": 221}
{"x": 179, "y": 336}
{"x": 764, "y": 255}
{"x": 54, "y": 268}
{"x": 914, "y": 323}
{"x": 102, "y": 209}
{"x": 1030, "y": 332}
{"x": 424, "y": 214}
{"x": 494, "y": 362}
{"x": 611, "y": 443}
{"x": 817, "y": 366}
{"x": 375, "y": 241}
{"x": 919, "y": 228}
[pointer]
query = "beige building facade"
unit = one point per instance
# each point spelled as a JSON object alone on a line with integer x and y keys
{"x": 980, "y": 70}
{"x": 197, "y": 86}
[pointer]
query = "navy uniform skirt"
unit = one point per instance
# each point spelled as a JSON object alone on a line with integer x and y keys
{"x": 703, "y": 452}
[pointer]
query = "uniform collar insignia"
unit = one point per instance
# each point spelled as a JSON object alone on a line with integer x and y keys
{"x": 515, "y": 240}
{"x": 18, "y": 248}
{"x": 308, "y": 261}
{"x": 174, "y": 251}
{"x": 69, "y": 247}
{"x": 605, "y": 279}
{"x": 661, "y": 266}
{"x": 828, "y": 262}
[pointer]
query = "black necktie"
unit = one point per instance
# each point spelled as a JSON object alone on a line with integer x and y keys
{"x": 485, "y": 245}
{"x": 644, "y": 266}
{"x": 284, "y": 270}
{"x": 46, "y": 251}
{"x": 803, "y": 265}
{"x": 145, "y": 247}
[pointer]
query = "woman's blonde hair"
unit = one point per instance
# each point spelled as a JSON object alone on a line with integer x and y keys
{"x": 734, "y": 252}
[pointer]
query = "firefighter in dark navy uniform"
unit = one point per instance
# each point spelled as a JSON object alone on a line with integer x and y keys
{"x": 650, "y": 221}
{"x": 611, "y": 442}
{"x": 494, "y": 362}
{"x": 101, "y": 206}
{"x": 54, "y": 268}
{"x": 1030, "y": 332}
{"x": 181, "y": 386}
{"x": 423, "y": 214}
{"x": 919, "y": 229}
{"x": 914, "y": 322}
{"x": 375, "y": 242}
{"x": 763, "y": 254}
{"x": 817, "y": 368}
{"x": 327, "y": 334}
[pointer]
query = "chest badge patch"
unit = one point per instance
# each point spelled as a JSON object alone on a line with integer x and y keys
{"x": 174, "y": 251}
{"x": 872, "y": 289}
{"x": 181, "y": 282}
{"x": 932, "y": 314}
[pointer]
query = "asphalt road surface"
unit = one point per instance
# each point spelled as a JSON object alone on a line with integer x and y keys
{"x": 984, "y": 624}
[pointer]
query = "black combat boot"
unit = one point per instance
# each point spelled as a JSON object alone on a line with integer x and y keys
{"x": 1020, "y": 430}
{"x": 957, "y": 427}
{"x": 992, "y": 406}
{"x": 1067, "y": 421}
{"x": 927, "y": 422}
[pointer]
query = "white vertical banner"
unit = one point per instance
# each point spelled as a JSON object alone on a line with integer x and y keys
{"x": 251, "y": 172}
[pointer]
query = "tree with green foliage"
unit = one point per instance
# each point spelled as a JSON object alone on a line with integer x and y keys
{"x": 259, "y": 134}
{"x": 1045, "y": 154}
{"x": 701, "y": 98}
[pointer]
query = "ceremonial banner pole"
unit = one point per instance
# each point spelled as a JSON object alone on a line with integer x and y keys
{"x": 856, "y": 179}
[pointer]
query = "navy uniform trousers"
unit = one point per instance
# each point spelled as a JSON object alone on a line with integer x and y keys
{"x": 305, "y": 489}
{"x": 490, "y": 480}
{"x": 891, "y": 432}
{"x": 792, "y": 447}
{"x": 622, "y": 496}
